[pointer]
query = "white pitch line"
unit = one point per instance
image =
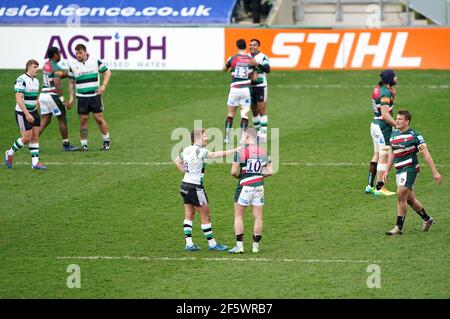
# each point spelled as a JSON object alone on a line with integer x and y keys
{"x": 224, "y": 259}
{"x": 302, "y": 86}
{"x": 171, "y": 163}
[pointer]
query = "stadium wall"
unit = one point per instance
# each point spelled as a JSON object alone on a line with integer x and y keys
{"x": 184, "y": 48}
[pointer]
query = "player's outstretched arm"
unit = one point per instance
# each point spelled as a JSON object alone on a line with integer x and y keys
{"x": 222, "y": 153}
{"x": 427, "y": 156}
{"x": 179, "y": 163}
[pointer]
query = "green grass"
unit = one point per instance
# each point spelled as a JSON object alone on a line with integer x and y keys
{"x": 312, "y": 212}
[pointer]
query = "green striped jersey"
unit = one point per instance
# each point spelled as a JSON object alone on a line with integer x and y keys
{"x": 252, "y": 160}
{"x": 382, "y": 95}
{"x": 30, "y": 88}
{"x": 194, "y": 157}
{"x": 405, "y": 146}
{"x": 262, "y": 59}
{"x": 86, "y": 75}
{"x": 48, "y": 76}
{"x": 241, "y": 70}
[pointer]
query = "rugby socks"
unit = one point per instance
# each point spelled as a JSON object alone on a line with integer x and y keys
{"x": 264, "y": 121}
{"x": 228, "y": 125}
{"x": 400, "y": 221}
{"x": 372, "y": 173}
{"x": 34, "y": 150}
{"x": 256, "y": 238}
{"x": 379, "y": 185}
{"x": 106, "y": 137}
{"x": 244, "y": 123}
{"x": 187, "y": 227}
{"x": 423, "y": 214}
{"x": 256, "y": 122}
{"x": 84, "y": 143}
{"x": 240, "y": 240}
{"x": 17, "y": 145}
{"x": 207, "y": 231}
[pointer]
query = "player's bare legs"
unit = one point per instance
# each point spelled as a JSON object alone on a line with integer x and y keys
{"x": 420, "y": 210}
{"x": 104, "y": 129}
{"x": 258, "y": 227}
{"x": 84, "y": 119}
{"x": 45, "y": 121}
{"x": 402, "y": 207}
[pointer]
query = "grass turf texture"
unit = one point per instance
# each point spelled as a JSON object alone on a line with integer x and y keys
{"x": 312, "y": 212}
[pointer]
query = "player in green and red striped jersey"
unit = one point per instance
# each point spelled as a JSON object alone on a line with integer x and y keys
{"x": 406, "y": 143}
{"x": 51, "y": 98}
{"x": 250, "y": 166}
{"x": 380, "y": 129}
{"x": 242, "y": 73}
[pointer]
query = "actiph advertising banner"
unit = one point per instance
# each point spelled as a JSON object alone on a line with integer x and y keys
{"x": 85, "y": 12}
{"x": 118, "y": 48}
{"x": 298, "y": 49}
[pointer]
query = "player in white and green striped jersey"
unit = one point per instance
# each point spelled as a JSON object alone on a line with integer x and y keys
{"x": 26, "y": 89}
{"x": 84, "y": 76}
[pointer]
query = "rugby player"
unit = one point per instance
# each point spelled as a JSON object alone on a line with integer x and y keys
{"x": 84, "y": 76}
{"x": 242, "y": 73}
{"x": 191, "y": 162}
{"x": 406, "y": 143}
{"x": 27, "y": 116}
{"x": 250, "y": 166}
{"x": 51, "y": 99}
{"x": 259, "y": 89}
{"x": 380, "y": 130}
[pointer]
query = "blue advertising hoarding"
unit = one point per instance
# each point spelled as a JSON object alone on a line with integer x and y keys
{"x": 130, "y": 12}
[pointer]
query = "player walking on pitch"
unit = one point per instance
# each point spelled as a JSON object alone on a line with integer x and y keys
{"x": 27, "y": 116}
{"x": 51, "y": 99}
{"x": 250, "y": 166}
{"x": 380, "y": 130}
{"x": 406, "y": 143}
{"x": 191, "y": 162}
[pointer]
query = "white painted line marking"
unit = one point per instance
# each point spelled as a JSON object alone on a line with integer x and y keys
{"x": 144, "y": 258}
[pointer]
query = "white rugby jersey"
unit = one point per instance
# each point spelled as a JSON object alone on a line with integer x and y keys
{"x": 86, "y": 75}
{"x": 261, "y": 58}
{"x": 30, "y": 88}
{"x": 194, "y": 157}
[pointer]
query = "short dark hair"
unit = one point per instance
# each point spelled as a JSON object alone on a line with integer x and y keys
{"x": 406, "y": 114}
{"x": 196, "y": 134}
{"x": 241, "y": 45}
{"x": 51, "y": 52}
{"x": 80, "y": 46}
{"x": 30, "y": 62}
{"x": 257, "y": 41}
